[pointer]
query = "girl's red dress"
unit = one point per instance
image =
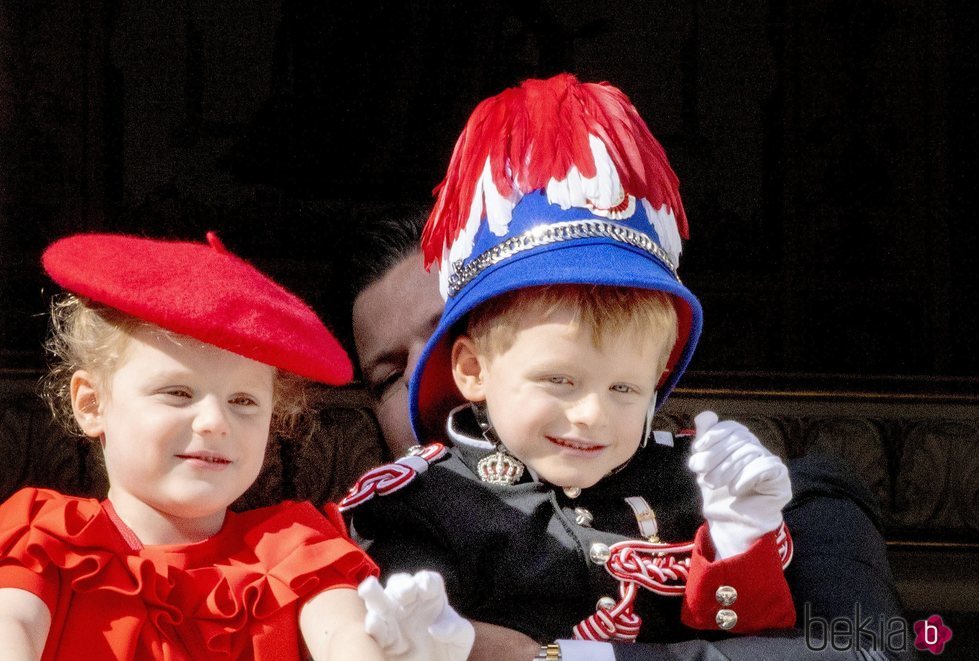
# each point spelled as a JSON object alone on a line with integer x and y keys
{"x": 235, "y": 595}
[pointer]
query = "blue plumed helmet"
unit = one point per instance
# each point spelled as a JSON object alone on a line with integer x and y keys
{"x": 552, "y": 182}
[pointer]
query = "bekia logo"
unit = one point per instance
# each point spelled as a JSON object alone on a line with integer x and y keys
{"x": 931, "y": 634}
{"x": 859, "y": 633}
{"x": 865, "y": 633}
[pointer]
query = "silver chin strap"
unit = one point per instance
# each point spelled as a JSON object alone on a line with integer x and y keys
{"x": 485, "y": 426}
{"x": 647, "y": 433}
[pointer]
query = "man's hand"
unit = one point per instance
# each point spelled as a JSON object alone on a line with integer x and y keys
{"x": 411, "y": 619}
{"x": 744, "y": 486}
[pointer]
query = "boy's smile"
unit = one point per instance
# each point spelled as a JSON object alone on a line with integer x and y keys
{"x": 570, "y": 410}
{"x": 576, "y": 444}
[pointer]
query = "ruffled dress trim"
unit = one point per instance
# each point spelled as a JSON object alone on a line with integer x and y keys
{"x": 259, "y": 563}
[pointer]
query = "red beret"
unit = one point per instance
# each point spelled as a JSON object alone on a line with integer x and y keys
{"x": 202, "y": 291}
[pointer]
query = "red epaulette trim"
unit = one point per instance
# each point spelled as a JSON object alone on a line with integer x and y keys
{"x": 388, "y": 478}
{"x": 784, "y": 544}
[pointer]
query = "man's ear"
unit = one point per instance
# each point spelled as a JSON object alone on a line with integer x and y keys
{"x": 85, "y": 404}
{"x": 467, "y": 370}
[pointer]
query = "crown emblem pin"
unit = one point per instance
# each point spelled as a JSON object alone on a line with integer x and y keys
{"x": 500, "y": 468}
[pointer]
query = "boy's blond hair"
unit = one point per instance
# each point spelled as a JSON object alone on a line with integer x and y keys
{"x": 606, "y": 310}
{"x": 85, "y": 335}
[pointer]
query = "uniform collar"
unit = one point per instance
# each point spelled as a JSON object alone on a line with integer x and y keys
{"x": 468, "y": 441}
{"x": 463, "y": 431}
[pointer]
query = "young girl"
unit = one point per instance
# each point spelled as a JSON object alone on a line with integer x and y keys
{"x": 177, "y": 357}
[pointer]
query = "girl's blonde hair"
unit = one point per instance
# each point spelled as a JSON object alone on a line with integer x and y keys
{"x": 85, "y": 335}
{"x": 606, "y": 310}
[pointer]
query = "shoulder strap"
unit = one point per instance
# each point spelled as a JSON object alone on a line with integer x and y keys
{"x": 388, "y": 478}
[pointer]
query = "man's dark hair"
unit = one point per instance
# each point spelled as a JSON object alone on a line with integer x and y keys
{"x": 377, "y": 238}
{"x": 390, "y": 234}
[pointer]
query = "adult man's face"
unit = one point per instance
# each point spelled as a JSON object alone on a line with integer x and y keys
{"x": 392, "y": 320}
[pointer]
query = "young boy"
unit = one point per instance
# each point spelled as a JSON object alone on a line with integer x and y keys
{"x": 557, "y": 511}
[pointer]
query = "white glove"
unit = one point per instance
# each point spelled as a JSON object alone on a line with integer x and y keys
{"x": 412, "y": 621}
{"x": 744, "y": 485}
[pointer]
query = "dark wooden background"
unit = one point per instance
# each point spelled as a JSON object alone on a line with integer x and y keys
{"x": 826, "y": 149}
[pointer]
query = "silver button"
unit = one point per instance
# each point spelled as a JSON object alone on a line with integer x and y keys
{"x": 726, "y": 618}
{"x": 583, "y": 517}
{"x": 605, "y": 604}
{"x": 599, "y": 553}
{"x": 572, "y": 492}
{"x": 726, "y": 595}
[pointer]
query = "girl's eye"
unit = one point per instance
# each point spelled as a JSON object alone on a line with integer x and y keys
{"x": 181, "y": 393}
{"x": 243, "y": 400}
{"x": 558, "y": 380}
{"x": 621, "y": 387}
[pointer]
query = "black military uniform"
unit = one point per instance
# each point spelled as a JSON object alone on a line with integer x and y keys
{"x": 519, "y": 556}
{"x": 532, "y": 557}
{"x": 529, "y": 556}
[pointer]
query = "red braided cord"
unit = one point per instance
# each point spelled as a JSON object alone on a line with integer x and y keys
{"x": 617, "y": 623}
{"x": 652, "y": 566}
{"x": 431, "y": 452}
{"x": 655, "y": 568}
{"x": 390, "y": 477}
{"x": 383, "y": 480}
{"x": 785, "y": 546}
{"x": 636, "y": 564}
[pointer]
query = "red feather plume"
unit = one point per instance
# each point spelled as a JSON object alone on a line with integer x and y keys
{"x": 537, "y": 132}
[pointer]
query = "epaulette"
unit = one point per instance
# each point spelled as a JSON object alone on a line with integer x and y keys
{"x": 388, "y": 478}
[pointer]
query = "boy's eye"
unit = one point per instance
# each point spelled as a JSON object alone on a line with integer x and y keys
{"x": 558, "y": 380}
{"x": 623, "y": 388}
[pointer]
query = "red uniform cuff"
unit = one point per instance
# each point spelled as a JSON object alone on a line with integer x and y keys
{"x": 745, "y": 593}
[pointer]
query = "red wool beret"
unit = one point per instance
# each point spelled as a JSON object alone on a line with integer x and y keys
{"x": 202, "y": 291}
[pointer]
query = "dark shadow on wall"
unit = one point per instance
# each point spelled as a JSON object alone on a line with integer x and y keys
{"x": 826, "y": 150}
